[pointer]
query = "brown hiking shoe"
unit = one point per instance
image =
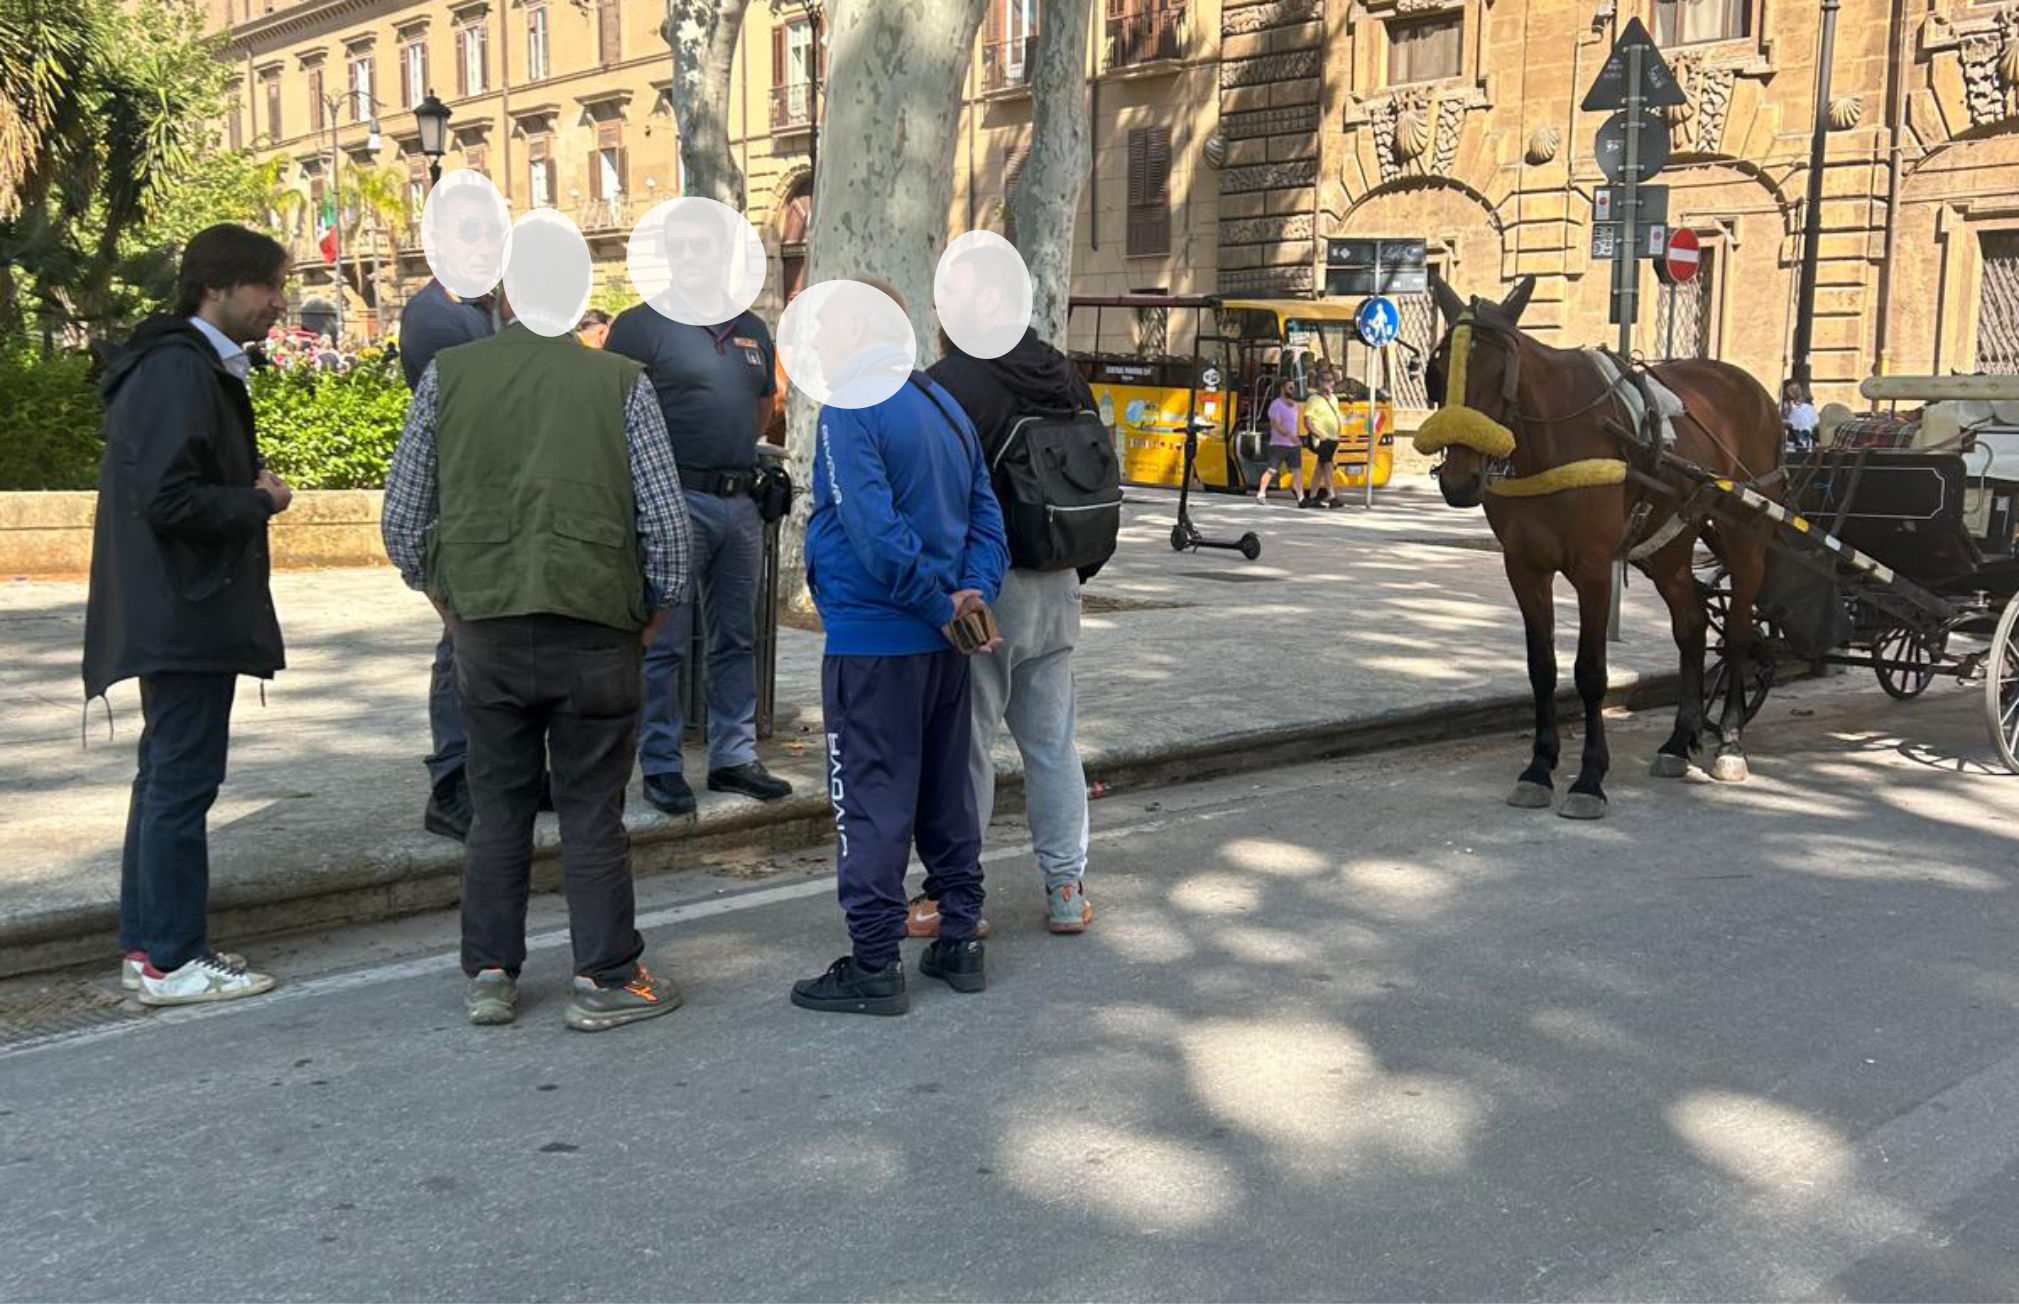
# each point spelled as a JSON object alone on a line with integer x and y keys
{"x": 923, "y": 919}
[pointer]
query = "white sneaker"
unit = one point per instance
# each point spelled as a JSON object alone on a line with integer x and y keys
{"x": 206, "y": 978}
{"x": 133, "y": 962}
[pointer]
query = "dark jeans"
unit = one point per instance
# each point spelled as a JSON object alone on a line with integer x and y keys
{"x": 540, "y": 689}
{"x": 897, "y": 772}
{"x": 729, "y": 561}
{"x": 164, "y": 871}
{"x": 445, "y": 715}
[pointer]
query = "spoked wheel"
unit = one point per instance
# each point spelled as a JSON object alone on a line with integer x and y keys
{"x": 1717, "y": 673}
{"x": 1913, "y": 657}
{"x": 2001, "y": 686}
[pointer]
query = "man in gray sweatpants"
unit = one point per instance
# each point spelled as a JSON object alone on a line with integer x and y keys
{"x": 1028, "y": 683}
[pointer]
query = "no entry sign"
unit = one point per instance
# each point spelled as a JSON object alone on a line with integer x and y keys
{"x": 1679, "y": 262}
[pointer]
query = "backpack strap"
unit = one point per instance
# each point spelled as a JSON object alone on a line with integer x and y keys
{"x": 924, "y": 385}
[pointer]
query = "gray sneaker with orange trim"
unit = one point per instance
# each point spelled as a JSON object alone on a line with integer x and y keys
{"x": 593, "y": 1007}
{"x": 923, "y": 919}
{"x": 1067, "y": 909}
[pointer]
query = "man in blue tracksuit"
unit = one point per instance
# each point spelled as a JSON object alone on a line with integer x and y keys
{"x": 905, "y": 534}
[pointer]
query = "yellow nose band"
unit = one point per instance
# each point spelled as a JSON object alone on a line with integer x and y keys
{"x": 1455, "y": 423}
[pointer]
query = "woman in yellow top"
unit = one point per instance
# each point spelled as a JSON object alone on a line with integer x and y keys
{"x": 1322, "y": 423}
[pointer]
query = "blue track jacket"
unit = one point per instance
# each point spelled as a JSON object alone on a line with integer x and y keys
{"x": 903, "y": 515}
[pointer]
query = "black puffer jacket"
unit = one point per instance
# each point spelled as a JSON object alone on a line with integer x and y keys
{"x": 179, "y": 555}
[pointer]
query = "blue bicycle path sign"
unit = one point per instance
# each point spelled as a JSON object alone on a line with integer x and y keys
{"x": 1378, "y": 321}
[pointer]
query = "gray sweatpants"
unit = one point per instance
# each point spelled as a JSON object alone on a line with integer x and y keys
{"x": 1027, "y": 684}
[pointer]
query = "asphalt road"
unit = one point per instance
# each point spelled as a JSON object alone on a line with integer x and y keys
{"x": 1350, "y": 1030}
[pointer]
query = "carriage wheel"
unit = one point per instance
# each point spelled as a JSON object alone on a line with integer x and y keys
{"x": 1759, "y": 682}
{"x": 1913, "y": 648}
{"x": 2001, "y": 686}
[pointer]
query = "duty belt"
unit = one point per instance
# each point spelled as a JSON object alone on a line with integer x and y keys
{"x": 723, "y": 484}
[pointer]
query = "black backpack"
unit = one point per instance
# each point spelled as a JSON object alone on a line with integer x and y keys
{"x": 1060, "y": 487}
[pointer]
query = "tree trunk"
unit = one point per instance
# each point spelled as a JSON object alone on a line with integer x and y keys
{"x": 703, "y": 34}
{"x": 885, "y": 183}
{"x": 1046, "y": 203}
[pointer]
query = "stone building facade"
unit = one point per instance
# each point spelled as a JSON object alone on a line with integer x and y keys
{"x": 1234, "y": 138}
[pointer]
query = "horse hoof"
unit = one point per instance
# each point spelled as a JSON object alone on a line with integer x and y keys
{"x": 1582, "y": 806}
{"x": 1667, "y": 765}
{"x": 1730, "y": 768}
{"x": 1530, "y": 796}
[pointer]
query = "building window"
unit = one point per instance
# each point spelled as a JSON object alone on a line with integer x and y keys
{"x": 1010, "y": 46}
{"x": 476, "y": 159}
{"x": 537, "y": 67}
{"x": 413, "y": 72}
{"x": 608, "y": 172}
{"x": 472, "y": 59}
{"x": 1145, "y": 31}
{"x": 1998, "y": 305}
{"x": 234, "y": 127}
{"x": 609, "y": 31}
{"x": 363, "y": 92}
{"x": 273, "y": 106}
{"x": 1426, "y": 49}
{"x": 417, "y": 191}
{"x": 1684, "y": 322}
{"x": 1149, "y": 217}
{"x": 797, "y": 62}
{"x": 540, "y": 171}
{"x": 315, "y": 99}
{"x": 1685, "y": 22}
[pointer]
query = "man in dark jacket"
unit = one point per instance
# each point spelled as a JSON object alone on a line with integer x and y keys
{"x": 179, "y": 593}
{"x": 1028, "y": 684}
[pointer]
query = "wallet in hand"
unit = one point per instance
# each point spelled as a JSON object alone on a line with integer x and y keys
{"x": 974, "y": 630}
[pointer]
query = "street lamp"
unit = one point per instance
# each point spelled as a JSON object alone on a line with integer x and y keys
{"x": 431, "y": 117}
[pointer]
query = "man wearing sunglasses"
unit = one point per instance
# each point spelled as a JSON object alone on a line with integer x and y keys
{"x": 470, "y": 241}
{"x": 715, "y": 385}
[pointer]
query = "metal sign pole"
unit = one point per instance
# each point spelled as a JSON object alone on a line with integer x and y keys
{"x": 1626, "y": 273}
{"x": 1367, "y": 470}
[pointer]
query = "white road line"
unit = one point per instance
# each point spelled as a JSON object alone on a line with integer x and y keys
{"x": 447, "y": 961}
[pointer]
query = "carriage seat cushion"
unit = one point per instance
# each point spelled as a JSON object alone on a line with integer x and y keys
{"x": 1637, "y": 398}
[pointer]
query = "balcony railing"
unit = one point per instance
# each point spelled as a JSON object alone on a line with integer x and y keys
{"x": 791, "y": 106}
{"x": 603, "y": 214}
{"x": 1006, "y": 65}
{"x": 1154, "y": 32}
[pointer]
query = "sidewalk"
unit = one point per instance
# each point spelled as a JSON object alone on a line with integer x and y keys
{"x": 1351, "y": 631}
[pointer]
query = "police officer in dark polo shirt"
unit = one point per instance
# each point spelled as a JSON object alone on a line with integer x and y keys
{"x": 715, "y": 386}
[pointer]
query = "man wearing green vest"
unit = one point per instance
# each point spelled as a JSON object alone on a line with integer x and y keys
{"x": 535, "y": 499}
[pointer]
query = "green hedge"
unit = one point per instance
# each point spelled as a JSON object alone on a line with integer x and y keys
{"x": 318, "y": 430}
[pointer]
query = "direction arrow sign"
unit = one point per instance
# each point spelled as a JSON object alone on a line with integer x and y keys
{"x": 1658, "y": 86}
{"x": 1610, "y": 149}
{"x": 1680, "y": 260}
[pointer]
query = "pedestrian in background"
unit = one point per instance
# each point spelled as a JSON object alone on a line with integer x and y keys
{"x": 594, "y": 329}
{"x": 1284, "y": 449}
{"x": 533, "y": 499}
{"x": 905, "y": 536}
{"x": 1027, "y": 683}
{"x": 179, "y": 595}
{"x": 1798, "y": 416}
{"x": 714, "y": 386}
{"x": 1324, "y": 423}
{"x": 470, "y": 239}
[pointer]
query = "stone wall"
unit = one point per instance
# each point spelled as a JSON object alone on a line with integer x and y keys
{"x": 49, "y": 534}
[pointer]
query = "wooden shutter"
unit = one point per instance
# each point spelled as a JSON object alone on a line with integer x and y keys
{"x": 235, "y": 127}
{"x": 1012, "y": 173}
{"x": 996, "y": 23}
{"x": 483, "y": 57}
{"x": 406, "y": 76}
{"x": 462, "y": 61}
{"x": 315, "y": 99}
{"x": 1120, "y": 8}
{"x": 596, "y": 174}
{"x": 273, "y": 108}
{"x": 1149, "y": 197}
{"x": 421, "y": 91}
{"x": 820, "y": 49}
{"x": 778, "y": 71}
{"x": 609, "y": 31}
{"x": 474, "y": 159}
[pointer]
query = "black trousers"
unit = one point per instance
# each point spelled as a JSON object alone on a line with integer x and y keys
{"x": 164, "y": 870}
{"x": 541, "y": 690}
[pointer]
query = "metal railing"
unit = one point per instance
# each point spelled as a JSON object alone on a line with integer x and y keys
{"x": 603, "y": 214}
{"x": 1007, "y": 64}
{"x": 1155, "y": 31}
{"x": 791, "y": 106}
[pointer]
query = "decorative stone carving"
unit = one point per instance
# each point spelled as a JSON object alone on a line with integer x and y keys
{"x": 1419, "y": 6}
{"x": 1256, "y": 18}
{"x": 1412, "y": 135}
{"x": 2008, "y": 62}
{"x": 1291, "y": 65}
{"x": 1269, "y": 122}
{"x": 1450, "y": 121}
{"x": 1713, "y": 98}
{"x": 1687, "y": 65}
{"x": 1983, "y": 85}
{"x": 1543, "y": 143}
{"x": 1269, "y": 176}
{"x": 1215, "y": 151}
{"x": 1846, "y": 112}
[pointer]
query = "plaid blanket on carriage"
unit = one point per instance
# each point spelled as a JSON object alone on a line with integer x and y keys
{"x": 1877, "y": 430}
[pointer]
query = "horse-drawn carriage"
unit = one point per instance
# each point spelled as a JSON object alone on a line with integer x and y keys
{"x": 1893, "y": 545}
{"x": 1898, "y": 546}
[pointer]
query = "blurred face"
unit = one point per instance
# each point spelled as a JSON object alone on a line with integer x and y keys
{"x": 472, "y": 242}
{"x": 696, "y": 258}
{"x": 837, "y": 338}
{"x": 594, "y": 335}
{"x": 964, "y": 303}
{"x": 249, "y": 311}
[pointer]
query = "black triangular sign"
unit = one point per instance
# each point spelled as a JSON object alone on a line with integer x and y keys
{"x": 1658, "y": 86}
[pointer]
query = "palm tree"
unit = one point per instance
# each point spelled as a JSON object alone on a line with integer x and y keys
{"x": 50, "y": 52}
{"x": 376, "y": 198}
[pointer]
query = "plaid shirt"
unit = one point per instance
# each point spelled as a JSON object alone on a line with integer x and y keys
{"x": 413, "y": 494}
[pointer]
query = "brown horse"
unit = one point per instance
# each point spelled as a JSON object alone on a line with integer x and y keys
{"x": 1536, "y": 434}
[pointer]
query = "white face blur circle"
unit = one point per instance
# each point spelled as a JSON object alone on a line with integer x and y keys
{"x": 982, "y": 294}
{"x": 547, "y": 272}
{"x": 464, "y": 226}
{"x": 846, "y": 344}
{"x": 696, "y": 261}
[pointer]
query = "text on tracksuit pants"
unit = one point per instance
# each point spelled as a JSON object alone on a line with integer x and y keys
{"x": 897, "y": 773}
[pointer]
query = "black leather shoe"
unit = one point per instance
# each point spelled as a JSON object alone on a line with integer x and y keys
{"x": 848, "y": 988}
{"x": 670, "y": 793}
{"x": 751, "y": 780}
{"x": 448, "y": 812}
{"x": 960, "y": 965}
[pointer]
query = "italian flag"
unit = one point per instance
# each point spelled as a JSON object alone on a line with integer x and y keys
{"x": 326, "y": 230}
